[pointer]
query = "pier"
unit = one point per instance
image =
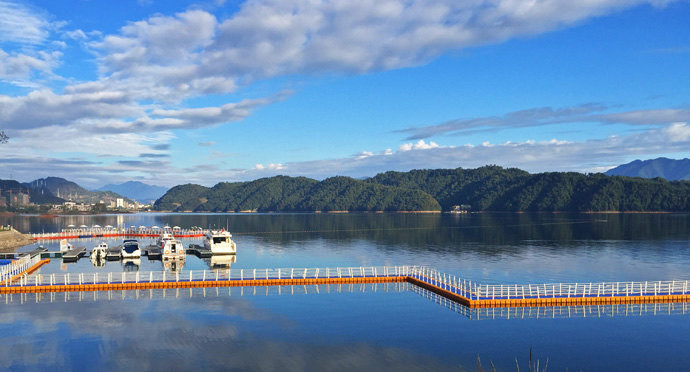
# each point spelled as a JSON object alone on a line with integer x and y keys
{"x": 461, "y": 291}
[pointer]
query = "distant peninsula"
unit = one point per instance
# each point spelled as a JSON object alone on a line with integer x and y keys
{"x": 489, "y": 188}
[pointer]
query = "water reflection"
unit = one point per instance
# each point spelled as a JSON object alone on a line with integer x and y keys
{"x": 166, "y": 329}
{"x": 183, "y": 293}
{"x": 131, "y": 264}
{"x": 556, "y": 312}
{"x": 221, "y": 262}
{"x": 509, "y": 313}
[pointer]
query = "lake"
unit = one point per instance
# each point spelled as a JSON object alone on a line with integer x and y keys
{"x": 368, "y": 327}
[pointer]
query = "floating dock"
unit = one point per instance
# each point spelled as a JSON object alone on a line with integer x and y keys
{"x": 199, "y": 251}
{"x": 73, "y": 255}
{"x": 99, "y": 232}
{"x": 468, "y": 293}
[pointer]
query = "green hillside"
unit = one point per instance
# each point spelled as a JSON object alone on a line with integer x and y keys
{"x": 497, "y": 189}
{"x": 299, "y": 194}
{"x": 489, "y": 188}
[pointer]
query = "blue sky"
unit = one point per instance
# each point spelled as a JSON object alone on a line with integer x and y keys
{"x": 171, "y": 92}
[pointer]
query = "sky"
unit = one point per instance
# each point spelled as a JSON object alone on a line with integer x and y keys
{"x": 174, "y": 92}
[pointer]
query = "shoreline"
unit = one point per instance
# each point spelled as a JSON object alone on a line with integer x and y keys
{"x": 11, "y": 240}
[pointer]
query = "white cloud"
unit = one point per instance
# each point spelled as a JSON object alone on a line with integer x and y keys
{"x": 269, "y": 167}
{"x": 420, "y": 145}
{"x": 21, "y": 24}
{"x": 533, "y": 156}
{"x": 19, "y": 66}
{"x": 187, "y": 52}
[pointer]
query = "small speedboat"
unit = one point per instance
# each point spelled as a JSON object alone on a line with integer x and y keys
{"x": 100, "y": 251}
{"x": 99, "y": 254}
{"x": 130, "y": 249}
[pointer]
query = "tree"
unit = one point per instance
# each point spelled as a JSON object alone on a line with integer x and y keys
{"x": 3, "y": 137}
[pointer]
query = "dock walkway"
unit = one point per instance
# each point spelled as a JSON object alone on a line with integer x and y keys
{"x": 465, "y": 292}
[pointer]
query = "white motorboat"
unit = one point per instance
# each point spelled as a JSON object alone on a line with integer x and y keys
{"x": 130, "y": 249}
{"x": 100, "y": 251}
{"x": 220, "y": 242}
{"x": 99, "y": 254}
{"x": 171, "y": 248}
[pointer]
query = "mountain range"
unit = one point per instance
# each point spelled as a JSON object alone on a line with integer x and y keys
{"x": 670, "y": 169}
{"x": 138, "y": 191}
{"x": 68, "y": 190}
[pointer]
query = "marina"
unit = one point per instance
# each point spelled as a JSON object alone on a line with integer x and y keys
{"x": 478, "y": 258}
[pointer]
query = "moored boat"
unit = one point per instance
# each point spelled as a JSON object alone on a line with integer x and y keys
{"x": 220, "y": 242}
{"x": 171, "y": 248}
{"x": 130, "y": 249}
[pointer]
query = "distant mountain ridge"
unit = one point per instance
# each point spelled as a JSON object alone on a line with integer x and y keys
{"x": 68, "y": 190}
{"x": 670, "y": 169}
{"x": 40, "y": 195}
{"x": 136, "y": 190}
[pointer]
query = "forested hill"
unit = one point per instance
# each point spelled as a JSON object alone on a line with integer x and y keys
{"x": 282, "y": 193}
{"x": 497, "y": 189}
{"x": 488, "y": 188}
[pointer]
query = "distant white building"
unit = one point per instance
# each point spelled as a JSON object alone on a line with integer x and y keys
{"x": 120, "y": 203}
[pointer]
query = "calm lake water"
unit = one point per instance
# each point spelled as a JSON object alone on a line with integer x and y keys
{"x": 366, "y": 327}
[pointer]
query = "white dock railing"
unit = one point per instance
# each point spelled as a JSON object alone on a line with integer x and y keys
{"x": 91, "y": 232}
{"x": 556, "y": 312}
{"x": 477, "y": 291}
{"x": 17, "y": 267}
{"x": 209, "y": 275}
{"x": 453, "y": 284}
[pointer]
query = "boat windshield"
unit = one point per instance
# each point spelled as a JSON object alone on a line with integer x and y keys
{"x": 131, "y": 247}
{"x": 220, "y": 239}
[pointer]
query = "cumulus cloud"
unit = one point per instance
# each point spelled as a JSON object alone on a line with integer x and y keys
{"x": 269, "y": 167}
{"x": 268, "y": 38}
{"x": 533, "y": 156}
{"x": 420, "y": 145}
{"x": 20, "y": 66}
